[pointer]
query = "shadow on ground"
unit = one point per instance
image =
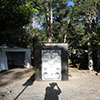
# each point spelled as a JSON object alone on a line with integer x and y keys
{"x": 29, "y": 82}
{"x": 52, "y": 92}
{"x": 10, "y": 76}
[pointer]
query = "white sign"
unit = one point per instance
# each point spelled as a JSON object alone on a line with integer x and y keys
{"x": 51, "y": 64}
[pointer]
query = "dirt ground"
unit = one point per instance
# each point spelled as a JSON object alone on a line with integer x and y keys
{"x": 19, "y": 84}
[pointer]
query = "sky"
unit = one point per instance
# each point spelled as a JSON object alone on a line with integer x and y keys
{"x": 70, "y": 3}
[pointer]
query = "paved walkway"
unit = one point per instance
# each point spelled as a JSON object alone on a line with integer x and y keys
{"x": 82, "y": 85}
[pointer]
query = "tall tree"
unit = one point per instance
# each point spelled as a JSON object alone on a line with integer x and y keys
{"x": 53, "y": 15}
{"x": 14, "y": 14}
{"x": 87, "y": 10}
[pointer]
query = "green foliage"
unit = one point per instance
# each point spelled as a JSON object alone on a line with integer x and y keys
{"x": 60, "y": 12}
{"x": 69, "y": 21}
{"x": 87, "y": 12}
{"x": 14, "y": 13}
{"x": 99, "y": 25}
{"x": 97, "y": 41}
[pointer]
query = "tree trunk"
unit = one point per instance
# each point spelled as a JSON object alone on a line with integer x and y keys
{"x": 51, "y": 13}
{"x": 50, "y": 22}
{"x": 90, "y": 60}
{"x": 33, "y": 22}
{"x": 48, "y": 30}
{"x": 98, "y": 59}
{"x": 65, "y": 38}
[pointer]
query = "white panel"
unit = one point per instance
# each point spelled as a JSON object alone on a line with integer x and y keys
{"x": 51, "y": 64}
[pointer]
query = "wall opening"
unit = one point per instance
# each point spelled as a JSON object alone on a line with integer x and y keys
{"x": 15, "y": 59}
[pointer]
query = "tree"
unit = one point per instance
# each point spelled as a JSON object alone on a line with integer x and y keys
{"x": 52, "y": 16}
{"x": 87, "y": 11}
{"x": 14, "y": 14}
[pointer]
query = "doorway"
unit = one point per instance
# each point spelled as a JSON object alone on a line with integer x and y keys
{"x": 15, "y": 59}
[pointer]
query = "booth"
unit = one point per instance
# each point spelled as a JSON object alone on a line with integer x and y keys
{"x": 51, "y": 61}
{"x": 14, "y": 56}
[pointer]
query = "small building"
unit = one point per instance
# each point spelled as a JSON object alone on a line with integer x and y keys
{"x": 11, "y": 57}
{"x": 51, "y": 61}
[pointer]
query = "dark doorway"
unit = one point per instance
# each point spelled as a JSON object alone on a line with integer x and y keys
{"x": 15, "y": 59}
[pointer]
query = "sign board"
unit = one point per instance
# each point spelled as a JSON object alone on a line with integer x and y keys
{"x": 51, "y": 64}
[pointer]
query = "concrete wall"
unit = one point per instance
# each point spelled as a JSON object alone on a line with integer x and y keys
{"x": 51, "y": 46}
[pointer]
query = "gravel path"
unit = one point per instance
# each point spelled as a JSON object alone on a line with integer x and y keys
{"x": 19, "y": 84}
